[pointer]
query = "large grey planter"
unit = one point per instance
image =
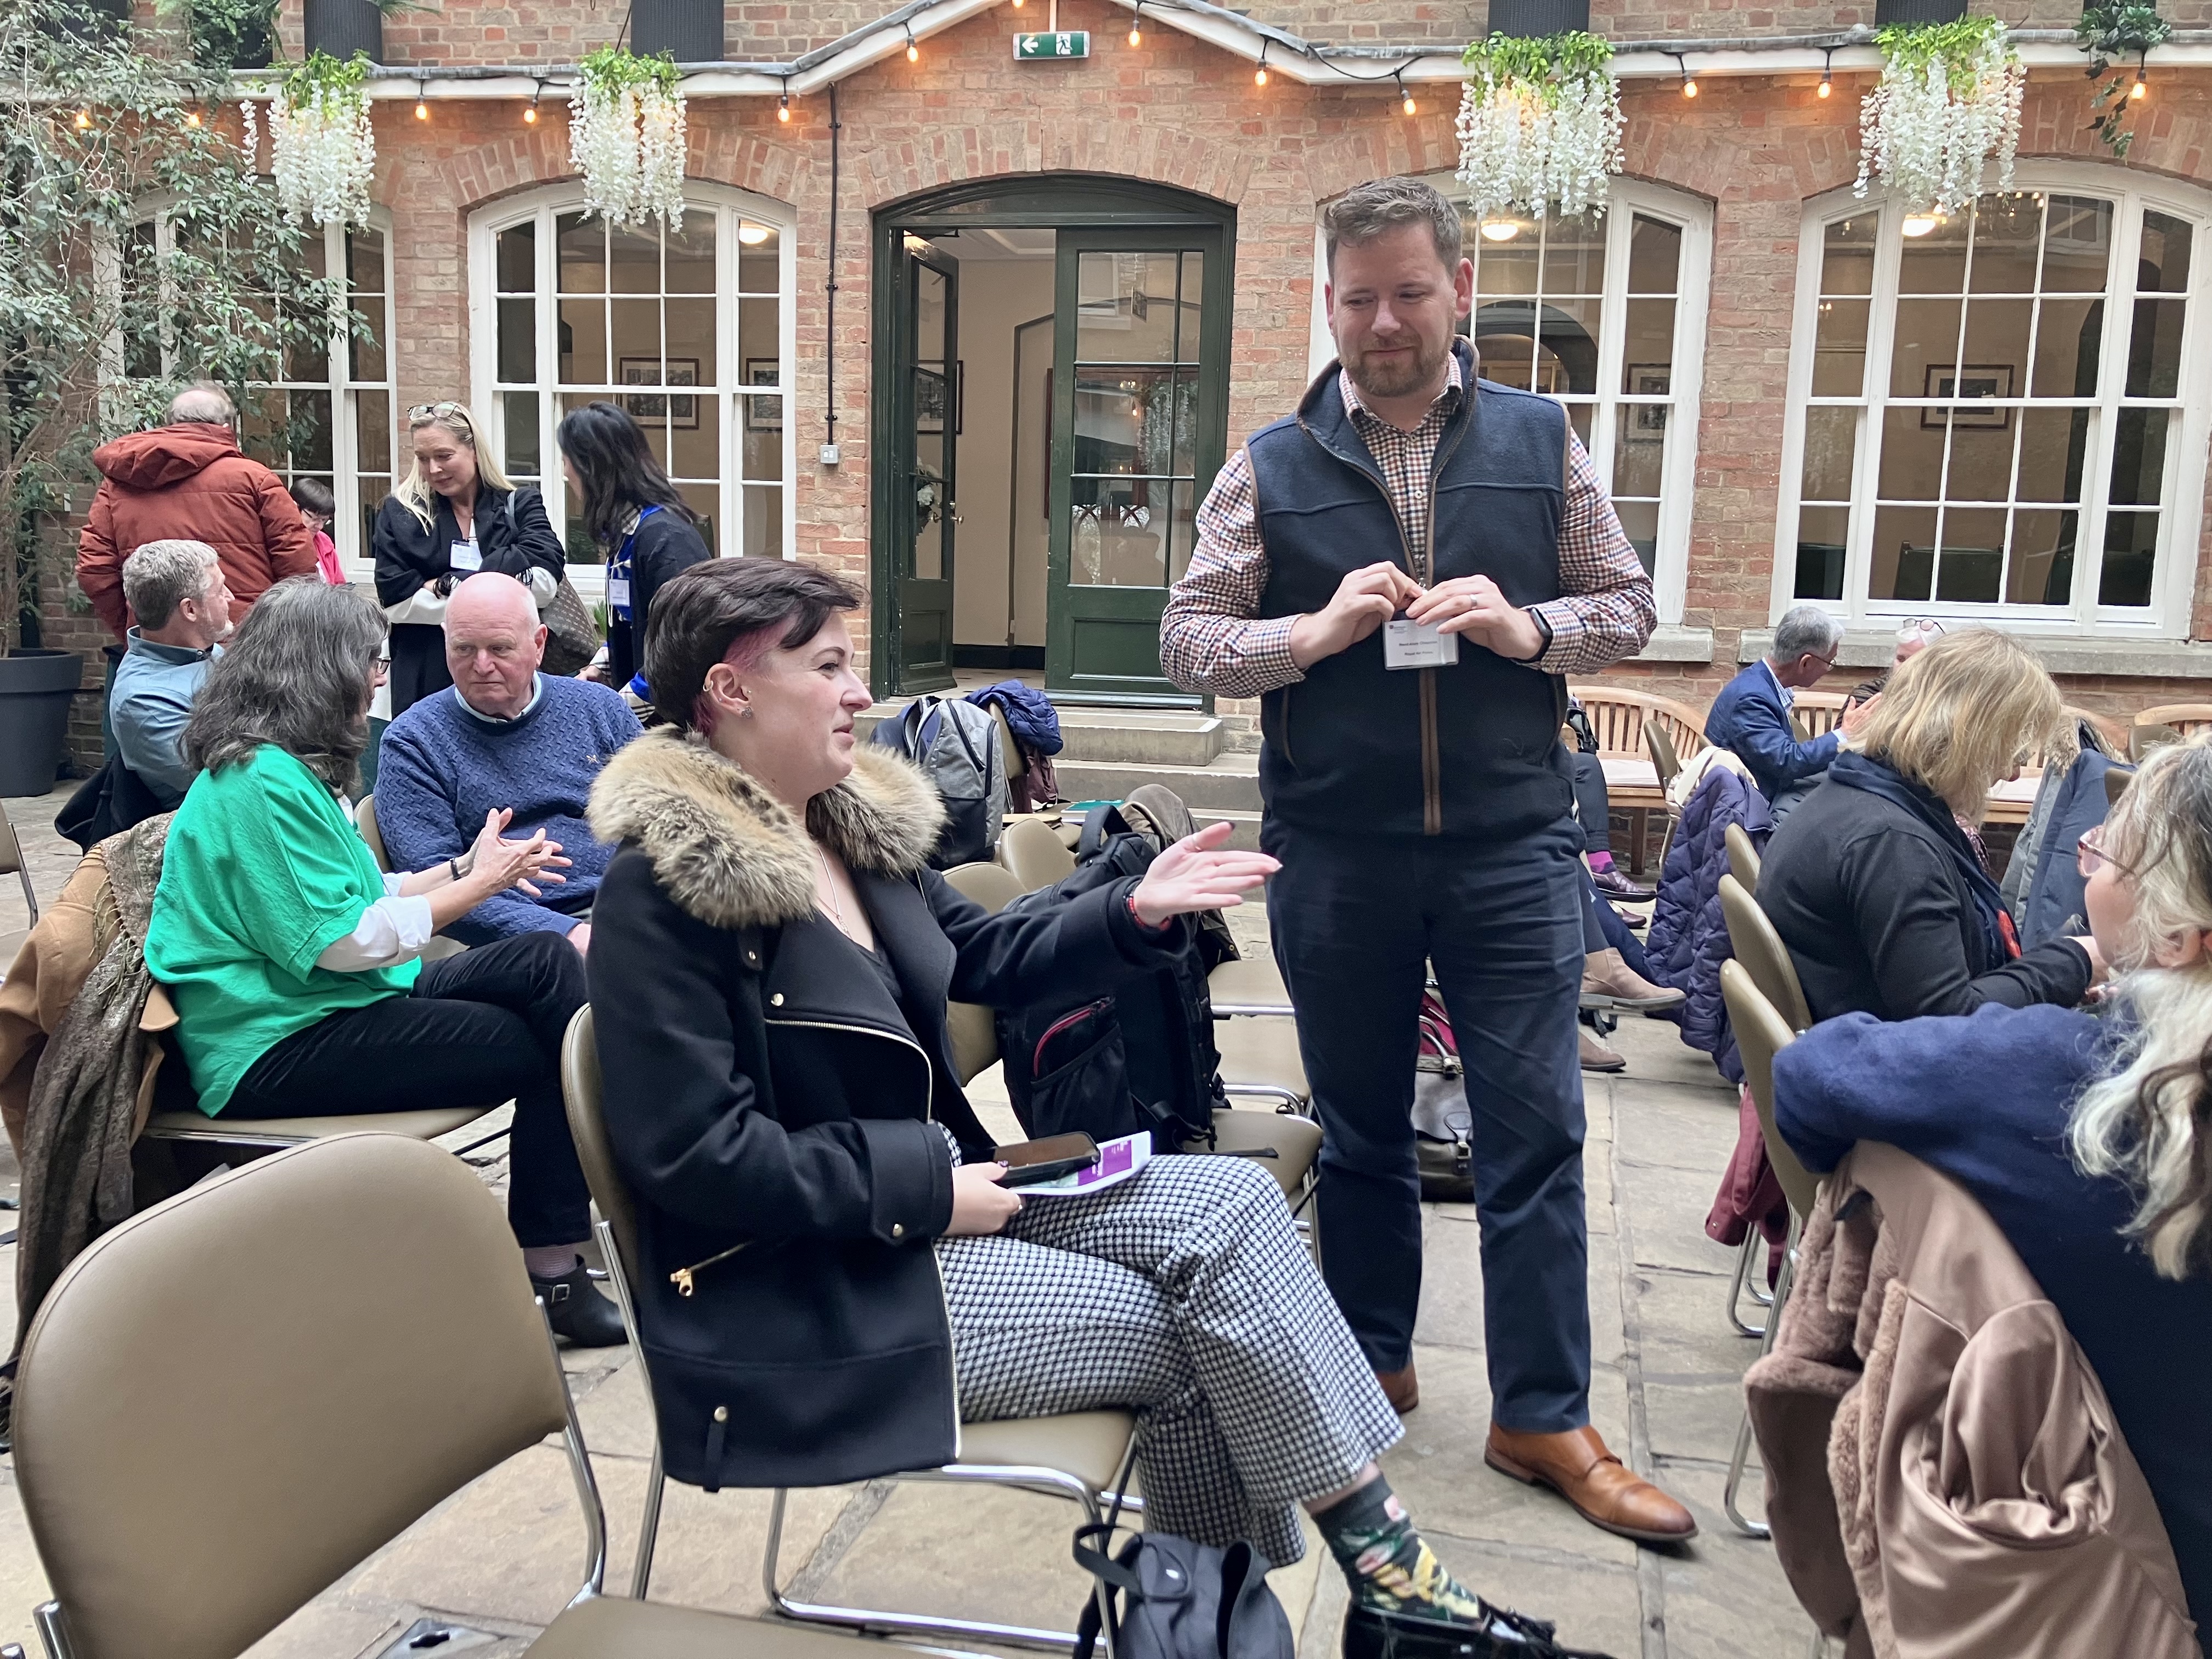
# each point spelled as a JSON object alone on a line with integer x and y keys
{"x": 1531, "y": 19}
{"x": 342, "y": 27}
{"x": 35, "y": 688}
{"x": 689, "y": 31}
{"x": 1918, "y": 11}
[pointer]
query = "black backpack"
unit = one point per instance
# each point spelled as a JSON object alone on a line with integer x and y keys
{"x": 1141, "y": 1058}
{"x": 1171, "y": 1599}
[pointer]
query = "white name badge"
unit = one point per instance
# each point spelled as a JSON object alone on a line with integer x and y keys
{"x": 1408, "y": 644}
{"x": 618, "y": 590}
{"x": 464, "y": 555}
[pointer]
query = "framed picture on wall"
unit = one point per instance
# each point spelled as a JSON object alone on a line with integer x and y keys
{"x": 762, "y": 414}
{"x": 933, "y": 394}
{"x": 1969, "y": 383}
{"x": 1647, "y": 423}
{"x": 682, "y": 412}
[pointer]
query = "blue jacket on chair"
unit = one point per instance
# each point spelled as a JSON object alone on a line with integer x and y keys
{"x": 1750, "y": 718}
{"x": 1689, "y": 938}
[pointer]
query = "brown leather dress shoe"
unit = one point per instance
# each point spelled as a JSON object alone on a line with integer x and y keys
{"x": 1604, "y": 1491}
{"x": 1400, "y": 1388}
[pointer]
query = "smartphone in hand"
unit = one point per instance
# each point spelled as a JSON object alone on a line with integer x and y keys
{"x": 1029, "y": 1162}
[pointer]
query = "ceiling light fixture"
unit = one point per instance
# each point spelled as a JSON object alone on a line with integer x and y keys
{"x": 1500, "y": 230}
{"x": 1260, "y": 75}
{"x": 752, "y": 235}
{"x": 912, "y": 51}
{"x": 1411, "y": 107}
{"x": 1918, "y": 225}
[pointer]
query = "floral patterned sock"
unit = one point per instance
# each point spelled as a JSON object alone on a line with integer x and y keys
{"x": 1389, "y": 1566}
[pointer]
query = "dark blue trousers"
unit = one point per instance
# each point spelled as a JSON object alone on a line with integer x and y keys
{"x": 1356, "y": 921}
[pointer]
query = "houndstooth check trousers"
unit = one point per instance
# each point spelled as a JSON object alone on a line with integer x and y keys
{"x": 1183, "y": 1294}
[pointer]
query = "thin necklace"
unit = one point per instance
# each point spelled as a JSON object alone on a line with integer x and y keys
{"x": 829, "y": 884}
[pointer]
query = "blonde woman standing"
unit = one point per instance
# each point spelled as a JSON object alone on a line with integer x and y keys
{"x": 2089, "y": 1141}
{"x": 1881, "y": 895}
{"x": 453, "y": 514}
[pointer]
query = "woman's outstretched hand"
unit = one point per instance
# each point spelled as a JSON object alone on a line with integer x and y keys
{"x": 1197, "y": 874}
{"x": 498, "y": 864}
{"x": 980, "y": 1204}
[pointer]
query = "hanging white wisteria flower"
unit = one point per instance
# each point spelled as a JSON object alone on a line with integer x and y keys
{"x": 626, "y": 136}
{"x": 1947, "y": 103}
{"x": 322, "y": 148}
{"x": 1539, "y": 125}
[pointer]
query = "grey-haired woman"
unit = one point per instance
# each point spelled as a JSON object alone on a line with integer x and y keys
{"x": 294, "y": 963}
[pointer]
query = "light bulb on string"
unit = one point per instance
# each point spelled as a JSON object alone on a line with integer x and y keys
{"x": 1828, "y": 87}
{"x": 1137, "y": 24}
{"x": 529, "y": 114}
{"x": 2141, "y": 90}
{"x": 422, "y": 105}
{"x": 912, "y": 51}
{"x": 192, "y": 117}
{"x": 1260, "y": 75}
{"x": 84, "y": 121}
{"x": 783, "y": 110}
{"x": 1405, "y": 97}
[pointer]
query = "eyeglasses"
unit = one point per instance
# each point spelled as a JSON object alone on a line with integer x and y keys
{"x": 380, "y": 670}
{"x": 2090, "y": 854}
{"x": 446, "y": 411}
{"x": 1921, "y": 625}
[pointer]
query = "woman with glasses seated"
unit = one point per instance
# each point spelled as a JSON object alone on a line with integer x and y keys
{"x": 832, "y": 1276}
{"x": 2089, "y": 1141}
{"x": 453, "y": 514}
{"x": 294, "y": 963}
{"x": 1880, "y": 894}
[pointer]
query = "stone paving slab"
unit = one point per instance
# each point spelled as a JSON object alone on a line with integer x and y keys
{"x": 505, "y": 1553}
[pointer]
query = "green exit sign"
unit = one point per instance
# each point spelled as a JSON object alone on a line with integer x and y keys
{"x": 1051, "y": 44}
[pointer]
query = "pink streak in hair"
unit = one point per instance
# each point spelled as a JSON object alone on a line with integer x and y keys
{"x": 745, "y": 655}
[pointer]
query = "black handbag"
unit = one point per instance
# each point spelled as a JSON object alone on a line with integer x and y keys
{"x": 1169, "y": 1598}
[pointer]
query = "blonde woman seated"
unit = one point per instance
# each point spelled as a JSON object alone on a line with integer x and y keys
{"x": 1881, "y": 897}
{"x": 833, "y": 1277}
{"x": 2089, "y": 1141}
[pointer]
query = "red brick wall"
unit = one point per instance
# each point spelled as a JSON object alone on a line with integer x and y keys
{"x": 1181, "y": 112}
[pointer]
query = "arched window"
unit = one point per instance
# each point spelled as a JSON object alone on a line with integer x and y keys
{"x": 689, "y": 328}
{"x": 328, "y": 414}
{"x": 1606, "y": 313}
{"x": 1986, "y": 408}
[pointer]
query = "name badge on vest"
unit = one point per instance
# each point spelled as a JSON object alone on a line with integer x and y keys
{"x": 1409, "y": 644}
{"x": 618, "y": 592}
{"x": 464, "y": 555}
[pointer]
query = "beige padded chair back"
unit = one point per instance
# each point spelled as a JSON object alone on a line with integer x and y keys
{"x": 11, "y": 863}
{"x": 1760, "y": 1034}
{"x": 587, "y": 1127}
{"x": 991, "y": 885}
{"x": 1664, "y": 760}
{"x": 2142, "y": 740}
{"x": 231, "y": 1399}
{"x": 1034, "y": 854}
{"x": 1763, "y": 956}
{"x": 364, "y": 819}
{"x": 975, "y": 1034}
{"x": 11, "y": 850}
{"x": 1007, "y": 747}
{"x": 1743, "y": 857}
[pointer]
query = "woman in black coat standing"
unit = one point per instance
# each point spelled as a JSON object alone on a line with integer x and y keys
{"x": 831, "y": 1276}
{"x": 1881, "y": 895}
{"x": 635, "y": 514}
{"x": 453, "y": 514}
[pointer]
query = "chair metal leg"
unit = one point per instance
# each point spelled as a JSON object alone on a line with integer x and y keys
{"x": 1741, "y": 1454}
{"x": 656, "y": 1482}
{"x": 52, "y": 1634}
{"x": 1049, "y": 1482}
{"x": 1754, "y": 1242}
{"x": 648, "y": 1531}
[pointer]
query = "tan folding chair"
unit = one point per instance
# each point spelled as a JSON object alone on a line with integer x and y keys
{"x": 1078, "y": 1456}
{"x": 1755, "y": 944}
{"x": 11, "y": 863}
{"x": 1249, "y": 985}
{"x": 364, "y": 819}
{"x": 1761, "y": 1032}
{"x": 991, "y": 885}
{"x": 1260, "y": 1058}
{"x": 1743, "y": 857}
{"x": 1035, "y": 853}
{"x": 225, "y": 1405}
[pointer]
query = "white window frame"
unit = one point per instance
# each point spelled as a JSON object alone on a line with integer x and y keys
{"x": 1693, "y": 217}
{"x": 345, "y": 530}
{"x": 2182, "y": 496}
{"x": 545, "y": 206}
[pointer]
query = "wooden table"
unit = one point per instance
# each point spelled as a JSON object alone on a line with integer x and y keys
{"x": 2011, "y": 802}
{"x": 1631, "y": 786}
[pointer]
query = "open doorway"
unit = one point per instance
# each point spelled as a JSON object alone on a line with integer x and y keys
{"x": 1051, "y": 380}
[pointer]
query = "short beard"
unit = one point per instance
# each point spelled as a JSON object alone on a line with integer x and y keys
{"x": 1386, "y": 379}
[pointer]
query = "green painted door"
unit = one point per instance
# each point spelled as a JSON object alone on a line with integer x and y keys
{"x": 925, "y": 472}
{"x": 1139, "y": 394}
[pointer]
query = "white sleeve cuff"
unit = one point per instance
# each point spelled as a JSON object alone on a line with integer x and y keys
{"x": 392, "y": 886}
{"x": 544, "y": 585}
{"x": 390, "y": 932}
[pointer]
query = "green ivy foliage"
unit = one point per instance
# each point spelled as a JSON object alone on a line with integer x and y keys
{"x": 2107, "y": 33}
{"x": 1573, "y": 55}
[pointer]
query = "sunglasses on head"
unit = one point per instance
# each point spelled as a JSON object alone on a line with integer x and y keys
{"x": 446, "y": 411}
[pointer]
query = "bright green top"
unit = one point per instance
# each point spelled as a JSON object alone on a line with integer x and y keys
{"x": 263, "y": 873}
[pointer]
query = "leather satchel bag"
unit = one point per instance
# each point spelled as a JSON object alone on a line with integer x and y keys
{"x": 1169, "y": 1598}
{"x": 572, "y": 640}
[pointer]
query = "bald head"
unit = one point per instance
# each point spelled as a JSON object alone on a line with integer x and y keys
{"x": 201, "y": 401}
{"x": 493, "y": 643}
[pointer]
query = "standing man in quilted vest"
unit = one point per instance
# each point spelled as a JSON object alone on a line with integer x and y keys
{"x": 1404, "y": 571}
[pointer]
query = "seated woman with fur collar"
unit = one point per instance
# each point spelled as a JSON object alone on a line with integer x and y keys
{"x": 833, "y": 1278}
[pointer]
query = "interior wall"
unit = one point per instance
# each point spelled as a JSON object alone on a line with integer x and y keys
{"x": 996, "y": 296}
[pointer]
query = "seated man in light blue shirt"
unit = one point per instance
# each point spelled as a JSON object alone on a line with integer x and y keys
{"x": 176, "y": 589}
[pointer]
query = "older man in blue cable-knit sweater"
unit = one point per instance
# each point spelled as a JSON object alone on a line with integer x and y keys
{"x": 504, "y": 736}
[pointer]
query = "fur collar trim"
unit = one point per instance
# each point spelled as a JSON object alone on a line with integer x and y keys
{"x": 734, "y": 856}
